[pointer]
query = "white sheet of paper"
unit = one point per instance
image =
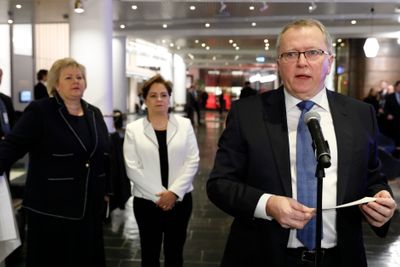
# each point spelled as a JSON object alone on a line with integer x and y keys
{"x": 357, "y": 202}
{"x": 7, "y": 227}
{"x": 9, "y": 236}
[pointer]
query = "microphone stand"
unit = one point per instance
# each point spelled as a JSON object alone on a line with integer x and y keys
{"x": 323, "y": 161}
{"x": 319, "y": 174}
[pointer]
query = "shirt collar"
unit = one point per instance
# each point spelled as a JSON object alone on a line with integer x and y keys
{"x": 320, "y": 99}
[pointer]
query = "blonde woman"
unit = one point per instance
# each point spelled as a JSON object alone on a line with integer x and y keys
{"x": 66, "y": 185}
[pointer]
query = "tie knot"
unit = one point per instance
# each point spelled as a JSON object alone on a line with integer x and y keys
{"x": 305, "y": 105}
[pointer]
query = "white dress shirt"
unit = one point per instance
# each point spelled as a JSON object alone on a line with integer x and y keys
{"x": 329, "y": 182}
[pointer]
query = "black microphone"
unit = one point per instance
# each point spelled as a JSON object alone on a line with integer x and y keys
{"x": 322, "y": 152}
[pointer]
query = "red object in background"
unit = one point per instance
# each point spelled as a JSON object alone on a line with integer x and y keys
{"x": 213, "y": 103}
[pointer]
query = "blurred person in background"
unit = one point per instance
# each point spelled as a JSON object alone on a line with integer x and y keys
{"x": 40, "y": 90}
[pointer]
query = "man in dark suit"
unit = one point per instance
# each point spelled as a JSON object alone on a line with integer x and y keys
{"x": 255, "y": 172}
{"x": 392, "y": 111}
{"x": 40, "y": 90}
{"x": 7, "y": 117}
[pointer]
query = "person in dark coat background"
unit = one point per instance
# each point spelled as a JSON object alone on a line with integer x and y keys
{"x": 247, "y": 90}
{"x": 67, "y": 183}
{"x": 7, "y": 117}
{"x": 40, "y": 90}
{"x": 121, "y": 185}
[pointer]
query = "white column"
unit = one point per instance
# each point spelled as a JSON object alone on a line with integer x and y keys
{"x": 120, "y": 84}
{"x": 179, "y": 81}
{"x": 91, "y": 45}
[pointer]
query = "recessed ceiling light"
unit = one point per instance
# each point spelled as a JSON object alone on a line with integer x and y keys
{"x": 18, "y": 6}
{"x": 251, "y": 7}
{"x": 203, "y": 44}
{"x": 230, "y": 41}
{"x": 353, "y": 21}
{"x": 122, "y": 26}
{"x": 253, "y": 24}
{"x": 165, "y": 26}
{"x": 196, "y": 41}
{"x": 207, "y": 25}
{"x": 192, "y": 7}
{"x": 134, "y": 7}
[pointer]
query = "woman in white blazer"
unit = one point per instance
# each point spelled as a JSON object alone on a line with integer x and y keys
{"x": 161, "y": 157}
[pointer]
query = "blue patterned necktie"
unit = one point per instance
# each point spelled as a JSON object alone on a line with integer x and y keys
{"x": 306, "y": 180}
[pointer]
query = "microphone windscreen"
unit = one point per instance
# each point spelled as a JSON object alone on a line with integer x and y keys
{"x": 310, "y": 115}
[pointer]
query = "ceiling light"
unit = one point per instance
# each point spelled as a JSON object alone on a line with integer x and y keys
{"x": 122, "y": 26}
{"x": 10, "y": 17}
{"x": 398, "y": 41}
{"x": 18, "y": 6}
{"x": 192, "y": 7}
{"x": 371, "y": 45}
{"x": 165, "y": 26}
{"x": 353, "y": 22}
{"x": 312, "y": 7}
{"x": 251, "y": 7}
{"x": 264, "y": 7}
{"x": 253, "y": 24}
{"x": 134, "y": 7}
{"x": 78, "y": 7}
{"x": 207, "y": 25}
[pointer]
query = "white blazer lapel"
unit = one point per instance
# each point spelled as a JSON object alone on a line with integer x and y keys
{"x": 149, "y": 131}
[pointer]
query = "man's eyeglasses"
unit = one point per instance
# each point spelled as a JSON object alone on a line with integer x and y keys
{"x": 310, "y": 55}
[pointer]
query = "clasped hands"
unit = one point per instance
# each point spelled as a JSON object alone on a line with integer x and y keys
{"x": 291, "y": 214}
{"x": 167, "y": 200}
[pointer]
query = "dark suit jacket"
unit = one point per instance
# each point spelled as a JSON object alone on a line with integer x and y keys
{"x": 64, "y": 177}
{"x": 40, "y": 91}
{"x": 253, "y": 158}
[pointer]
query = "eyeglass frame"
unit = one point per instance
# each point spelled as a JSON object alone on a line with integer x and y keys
{"x": 285, "y": 59}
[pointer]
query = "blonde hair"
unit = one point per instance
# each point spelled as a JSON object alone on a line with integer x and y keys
{"x": 55, "y": 71}
{"x": 306, "y": 23}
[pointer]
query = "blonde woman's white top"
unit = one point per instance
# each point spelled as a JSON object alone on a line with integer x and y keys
{"x": 143, "y": 162}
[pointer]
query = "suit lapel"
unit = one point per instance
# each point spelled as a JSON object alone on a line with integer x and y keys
{"x": 344, "y": 139}
{"x": 149, "y": 131}
{"x": 274, "y": 116}
{"x": 90, "y": 118}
